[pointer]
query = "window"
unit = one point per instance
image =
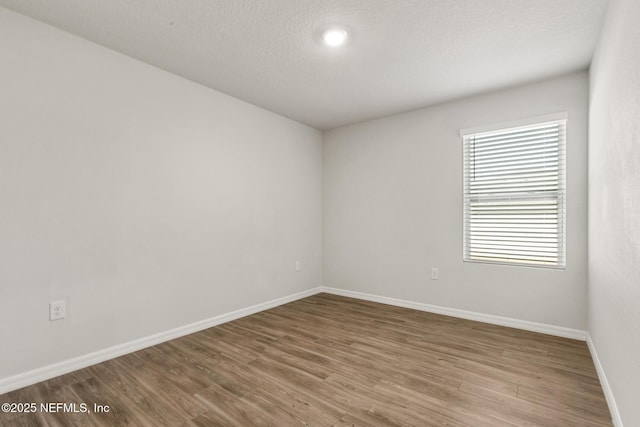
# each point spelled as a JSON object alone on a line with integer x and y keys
{"x": 514, "y": 195}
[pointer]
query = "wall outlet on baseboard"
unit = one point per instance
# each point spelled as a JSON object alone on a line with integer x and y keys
{"x": 57, "y": 310}
{"x": 298, "y": 266}
{"x": 435, "y": 273}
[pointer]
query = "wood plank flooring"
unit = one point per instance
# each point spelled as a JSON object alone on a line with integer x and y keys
{"x": 333, "y": 361}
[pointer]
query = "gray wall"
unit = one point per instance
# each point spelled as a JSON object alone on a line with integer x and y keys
{"x": 144, "y": 200}
{"x": 393, "y": 208}
{"x": 614, "y": 205}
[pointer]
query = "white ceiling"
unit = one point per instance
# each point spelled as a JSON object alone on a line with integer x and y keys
{"x": 403, "y": 54}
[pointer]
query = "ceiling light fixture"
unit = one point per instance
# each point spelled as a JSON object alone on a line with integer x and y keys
{"x": 334, "y": 37}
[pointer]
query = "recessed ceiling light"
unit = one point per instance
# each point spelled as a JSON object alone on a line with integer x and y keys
{"x": 334, "y": 37}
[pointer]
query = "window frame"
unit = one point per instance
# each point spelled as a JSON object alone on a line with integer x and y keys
{"x": 561, "y": 192}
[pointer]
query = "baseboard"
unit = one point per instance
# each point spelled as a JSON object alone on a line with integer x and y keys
{"x": 47, "y": 372}
{"x": 608, "y": 393}
{"x": 559, "y": 331}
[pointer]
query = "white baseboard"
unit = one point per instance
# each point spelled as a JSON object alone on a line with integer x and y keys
{"x": 608, "y": 393}
{"x": 47, "y": 372}
{"x": 41, "y": 374}
{"x": 559, "y": 331}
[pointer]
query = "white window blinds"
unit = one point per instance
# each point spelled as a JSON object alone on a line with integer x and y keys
{"x": 514, "y": 195}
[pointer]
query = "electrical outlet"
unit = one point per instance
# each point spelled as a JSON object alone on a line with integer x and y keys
{"x": 298, "y": 266}
{"x": 57, "y": 310}
{"x": 435, "y": 274}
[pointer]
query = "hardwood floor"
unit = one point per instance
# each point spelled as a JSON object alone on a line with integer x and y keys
{"x": 333, "y": 361}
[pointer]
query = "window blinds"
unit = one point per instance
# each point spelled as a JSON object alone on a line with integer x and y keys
{"x": 514, "y": 195}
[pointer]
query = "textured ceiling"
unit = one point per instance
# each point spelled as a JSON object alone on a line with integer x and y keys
{"x": 403, "y": 54}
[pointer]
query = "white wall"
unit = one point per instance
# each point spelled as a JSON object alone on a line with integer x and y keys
{"x": 144, "y": 200}
{"x": 393, "y": 208}
{"x": 614, "y": 205}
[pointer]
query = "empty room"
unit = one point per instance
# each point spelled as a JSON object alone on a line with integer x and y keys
{"x": 320, "y": 212}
